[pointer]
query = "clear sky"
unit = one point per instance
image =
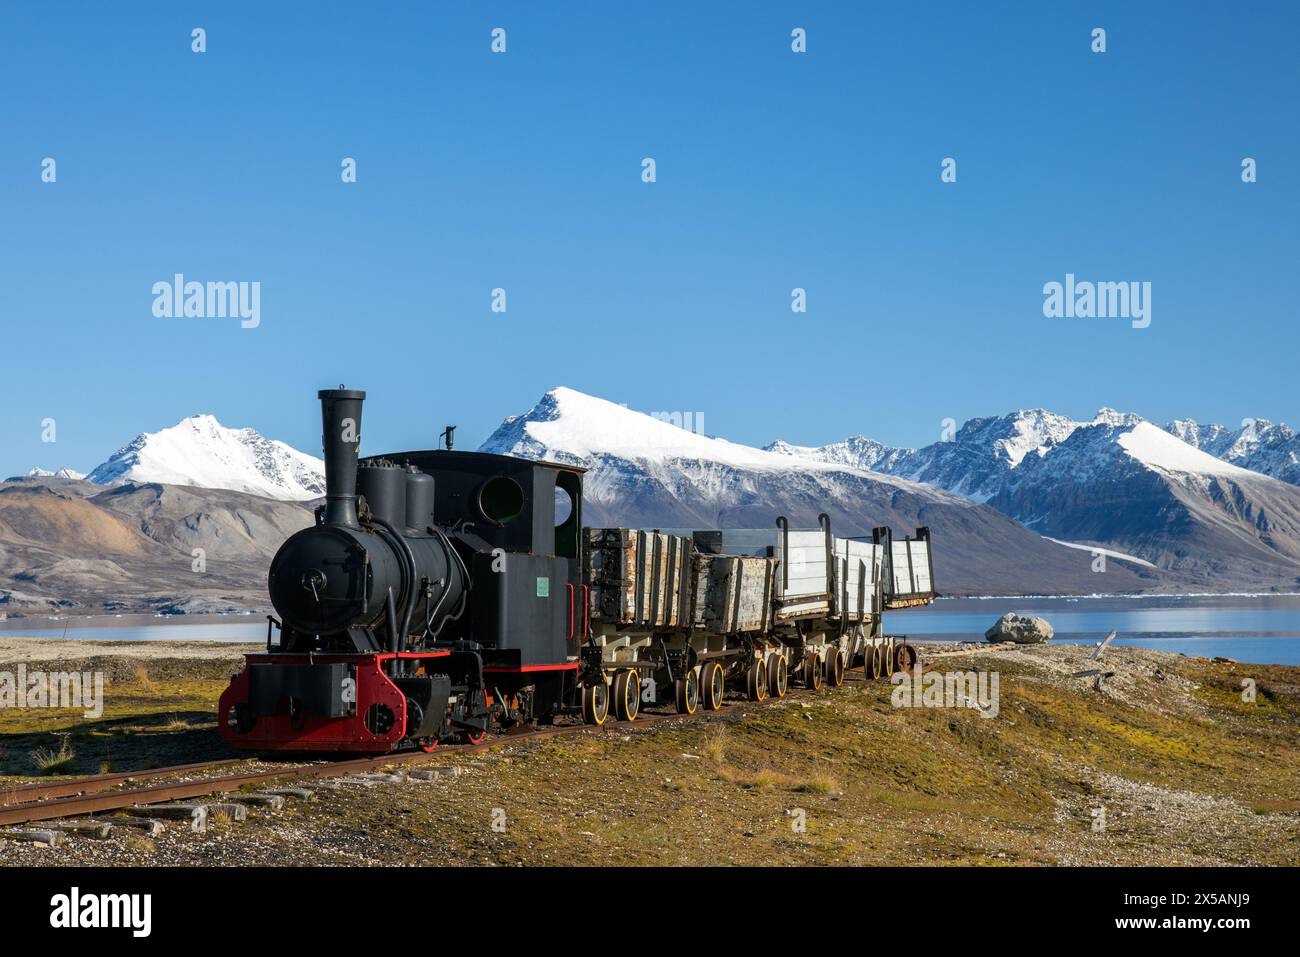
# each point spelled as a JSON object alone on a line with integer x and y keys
{"x": 523, "y": 171}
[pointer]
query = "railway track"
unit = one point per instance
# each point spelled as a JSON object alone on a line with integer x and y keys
{"x": 43, "y": 790}
{"x": 30, "y": 803}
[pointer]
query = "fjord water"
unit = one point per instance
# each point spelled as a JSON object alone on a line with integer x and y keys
{"x": 1260, "y": 629}
{"x": 231, "y": 628}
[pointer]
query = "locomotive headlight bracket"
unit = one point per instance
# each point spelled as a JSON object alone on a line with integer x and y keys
{"x": 314, "y": 581}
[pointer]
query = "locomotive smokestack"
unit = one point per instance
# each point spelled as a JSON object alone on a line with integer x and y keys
{"x": 340, "y": 411}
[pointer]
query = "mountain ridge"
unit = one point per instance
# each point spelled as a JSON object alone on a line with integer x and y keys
{"x": 643, "y": 472}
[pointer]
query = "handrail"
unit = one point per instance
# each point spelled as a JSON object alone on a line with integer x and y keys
{"x": 572, "y": 620}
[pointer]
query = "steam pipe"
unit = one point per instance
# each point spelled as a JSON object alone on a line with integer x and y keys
{"x": 412, "y": 573}
{"x": 341, "y": 441}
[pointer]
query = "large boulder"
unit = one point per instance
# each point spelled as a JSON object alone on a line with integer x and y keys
{"x": 1022, "y": 629}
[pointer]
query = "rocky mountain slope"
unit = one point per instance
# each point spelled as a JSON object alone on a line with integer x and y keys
{"x": 71, "y": 545}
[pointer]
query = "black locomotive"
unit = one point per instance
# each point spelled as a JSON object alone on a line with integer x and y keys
{"x": 434, "y": 598}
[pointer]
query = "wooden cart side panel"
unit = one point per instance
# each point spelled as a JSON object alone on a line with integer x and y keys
{"x": 733, "y": 593}
{"x": 805, "y": 571}
{"x": 910, "y": 563}
{"x": 859, "y": 566}
{"x": 638, "y": 578}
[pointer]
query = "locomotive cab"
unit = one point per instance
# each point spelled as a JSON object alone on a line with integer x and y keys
{"x": 518, "y": 524}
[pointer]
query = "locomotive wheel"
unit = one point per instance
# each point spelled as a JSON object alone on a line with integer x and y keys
{"x": 426, "y": 744}
{"x": 713, "y": 685}
{"x": 904, "y": 658}
{"x": 756, "y": 681}
{"x": 778, "y": 676}
{"x": 813, "y": 672}
{"x": 627, "y": 694}
{"x": 474, "y": 737}
{"x": 835, "y": 668}
{"x": 595, "y": 703}
{"x": 688, "y": 692}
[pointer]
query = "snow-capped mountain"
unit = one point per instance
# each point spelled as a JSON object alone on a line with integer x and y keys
{"x": 200, "y": 451}
{"x": 65, "y": 473}
{"x": 976, "y": 462}
{"x": 1146, "y": 492}
{"x": 982, "y": 457}
{"x": 1125, "y": 483}
{"x": 1258, "y": 445}
{"x": 857, "y": 451}
{"x": 644, "y": 472}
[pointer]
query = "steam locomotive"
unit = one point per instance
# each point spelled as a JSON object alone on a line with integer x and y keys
{"x": 441, "y": 595}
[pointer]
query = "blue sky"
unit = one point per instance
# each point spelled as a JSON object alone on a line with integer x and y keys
{"x": 775, "y": 170}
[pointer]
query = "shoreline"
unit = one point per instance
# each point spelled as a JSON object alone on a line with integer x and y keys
{"x": 262, "y": 611}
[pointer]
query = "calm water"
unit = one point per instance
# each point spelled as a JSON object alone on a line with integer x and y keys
{"x": 1257, "y": 629}
{"x": 1260, "y": 630}
{"x": 233, "y": 628}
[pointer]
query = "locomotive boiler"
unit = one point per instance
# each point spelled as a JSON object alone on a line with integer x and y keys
{"x": 441, "y": 595}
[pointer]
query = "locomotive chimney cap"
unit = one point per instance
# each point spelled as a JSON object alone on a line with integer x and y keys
{"x": 340, "y": 393}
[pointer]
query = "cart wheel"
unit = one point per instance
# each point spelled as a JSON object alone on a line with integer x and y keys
{"x": 627, "y": 694}
{"x": 871, "y": 662}
{"x": 595, "y": 703}
{"x": 904, "y": 657}
{"x": 756, "y": 681}
{"x": 688, "y": 692}
{"x": 835, "y": 668}
{"x": 813, "y": 672}
{"x": 713, "y": 684}
{"x": 778, "y": 676}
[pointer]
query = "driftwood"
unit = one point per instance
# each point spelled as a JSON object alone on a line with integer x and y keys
{"x": 1096, "y": 655}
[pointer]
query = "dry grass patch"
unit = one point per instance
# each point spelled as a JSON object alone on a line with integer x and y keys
{"x": 48, "y": 761}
